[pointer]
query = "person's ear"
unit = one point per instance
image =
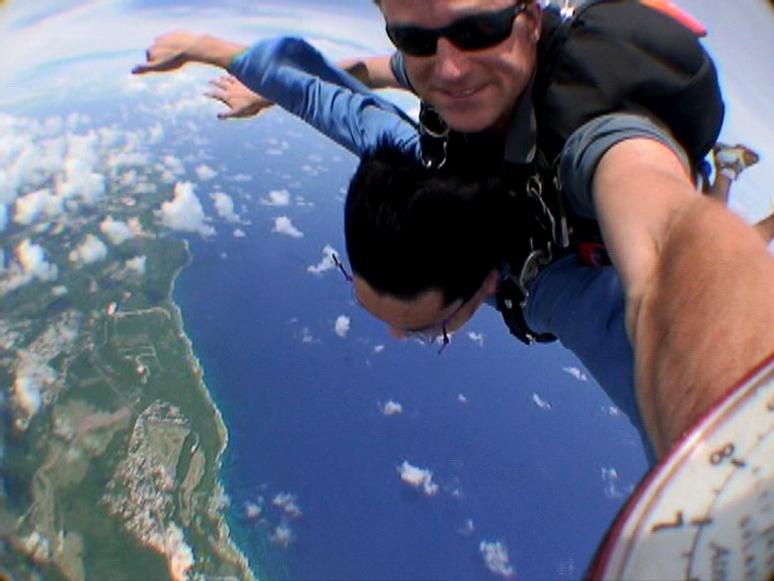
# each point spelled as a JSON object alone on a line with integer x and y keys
{"x": 535, "y": 15}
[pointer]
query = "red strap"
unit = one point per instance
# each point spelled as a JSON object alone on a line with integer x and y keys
{"x": 593, "y": 254}
{"x": 671, "y": 9}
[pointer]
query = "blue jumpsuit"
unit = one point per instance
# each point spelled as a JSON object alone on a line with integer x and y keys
{"x": 582, "y": 306}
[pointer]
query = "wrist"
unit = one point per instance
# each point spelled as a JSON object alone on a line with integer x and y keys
{"x": 214, "y": 51}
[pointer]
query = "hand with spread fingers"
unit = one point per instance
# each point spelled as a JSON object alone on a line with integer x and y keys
{"x": 241, "y": 101}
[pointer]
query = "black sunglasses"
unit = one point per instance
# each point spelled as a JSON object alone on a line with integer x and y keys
{"x": 473, "y": 32}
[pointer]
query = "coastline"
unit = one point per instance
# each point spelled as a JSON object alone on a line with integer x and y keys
{"x": 227, "y": 544}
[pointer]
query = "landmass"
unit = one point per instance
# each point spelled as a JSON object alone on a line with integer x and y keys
{"x": 111, "y": 444}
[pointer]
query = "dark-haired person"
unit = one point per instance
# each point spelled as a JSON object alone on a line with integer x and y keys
{"x": 699, "y": 319}
{"x": 424, "y": 239}
{"x": 550, "y": 88}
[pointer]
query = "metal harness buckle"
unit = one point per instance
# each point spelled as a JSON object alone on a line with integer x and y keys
{"x": 433, "y": 137}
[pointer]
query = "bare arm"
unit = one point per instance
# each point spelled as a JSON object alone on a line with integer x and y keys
{"x": 373, "y": 72}
{"x": 176, "y": 49}
{"x": 700, "y": 306}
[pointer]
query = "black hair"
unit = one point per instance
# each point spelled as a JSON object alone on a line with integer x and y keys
{"x": 410, "y": 229}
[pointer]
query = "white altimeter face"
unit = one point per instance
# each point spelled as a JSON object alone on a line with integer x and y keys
{"x": 707, "y": 511}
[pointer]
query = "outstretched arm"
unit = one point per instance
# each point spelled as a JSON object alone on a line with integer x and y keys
{"x": 374, "y": 72}
{"x": 291, "y": 73}
{"x": 177, "y": 49}
{"x": 698, "y": 280}
{"x": 241, "y": 102}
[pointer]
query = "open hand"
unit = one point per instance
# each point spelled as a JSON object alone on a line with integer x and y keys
{"x": 168, "y": 53}
{"x": 241, "y": 101}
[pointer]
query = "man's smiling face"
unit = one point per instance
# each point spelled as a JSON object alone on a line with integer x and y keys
{"x": 472, "y": 89}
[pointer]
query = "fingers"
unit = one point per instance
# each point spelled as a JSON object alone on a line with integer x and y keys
{"x": 220, "y": 83}
{"x": 166, "y": 53}
{"x": 148, "y": 66}
{"x": 141, "y": 69}
{"x": 224, "y": 83}
{"x": 218, "y": 96}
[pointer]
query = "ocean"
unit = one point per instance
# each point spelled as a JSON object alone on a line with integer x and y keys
{"x": 524, "y": 450}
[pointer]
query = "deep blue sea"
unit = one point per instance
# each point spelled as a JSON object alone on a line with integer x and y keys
{"x": 521, "y": 450}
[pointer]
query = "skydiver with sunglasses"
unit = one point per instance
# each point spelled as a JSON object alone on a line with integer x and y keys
{"x": 294, "y": 75}
{"x": 698, "y": 318}
{"x": 473, "y": 62}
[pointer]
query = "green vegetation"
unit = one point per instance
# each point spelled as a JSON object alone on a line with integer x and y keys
{"x": 113, "y": 473}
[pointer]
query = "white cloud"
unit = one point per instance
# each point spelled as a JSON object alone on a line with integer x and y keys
{"x": 174, "y": 165}
{"x": 302, "y": 203}
{"x": 541, "y": 403}
{"x": 239, "y": 233}
{"x": 30, "y": 263}
{"x": 79, "y": 178}
{"x": 288, "y": 503}
{"x": 26, "y": 395}
{"x": 277, "y": 147}
{"x": 326, "y": 263}
{"x": 467, "y": 528}
{"x": 253, "y": 510}
{"x": 610, "y": 410}
{"x": 33, "y": 376}
{"x": 224, "y": 206}
{"x": 496, "y": 558}
{"x": 117, "y": 160}
{"x": 307, "y": 337}
{"x": 156, "y": 133}
{"x": 477, "y": 338}
{"x": 276, "y": 198}
{"x": 391, "y": 408}
{"x": 420, "y": 478}
{"x": 32, "y": 258}
{"x": 32, "y": 206}
{"x": 576, "y": 372}
{"x": 205, "y": 173}
{"x": 283, "y": 535}
{"x": 116, "y": 231}
{"x": 283, "y": 225}
{"x": 379, "y": 348}
{"x": 136, "y": 226}
{"x": 137, "y": 265}
{"x": 185, "y": 213}
{"x": 91, "y": 250}
{"x": 342, "y": 326}
{"x": 613, "y": 488}
{"x": 462, "y": 398}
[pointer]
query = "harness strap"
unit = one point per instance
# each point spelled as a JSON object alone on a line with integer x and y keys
{"x": 513, "y": 313}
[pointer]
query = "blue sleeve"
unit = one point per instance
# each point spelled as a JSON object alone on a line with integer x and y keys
{"x": 590, "y": 142}
{"x": 297, "y": 77}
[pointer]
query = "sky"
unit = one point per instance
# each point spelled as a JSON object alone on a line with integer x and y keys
{"x": 109, "y": 35}
{"x": 208, "y": 199}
